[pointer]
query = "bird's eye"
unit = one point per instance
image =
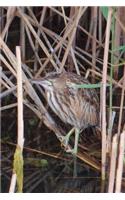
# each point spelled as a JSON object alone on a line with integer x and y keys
{"x": 68, "y": 82}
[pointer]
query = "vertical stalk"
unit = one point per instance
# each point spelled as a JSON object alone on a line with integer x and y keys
{"x": 22, "y": 37}
{"x": 104, "y": 78}
{"x": 0, "y": 105}
{"x": 1, "y": 23}
{"x": 120, "y": 161}
{"x": 112, "y": 165}
{"x": 111, "y": 77}
{"x": 121, "y": 105}
{"x": 20, "y": 140}
{"x": 94, "y": 41}
{"x": 17, "y": 175}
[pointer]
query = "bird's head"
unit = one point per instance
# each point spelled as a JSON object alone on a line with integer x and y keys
{"x": 51, "y": 81}
{"x": 58, "y": 81}
{"x": 47, "y": 84}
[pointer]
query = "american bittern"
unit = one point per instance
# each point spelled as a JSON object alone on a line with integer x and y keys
{"x": 78, "y": 107}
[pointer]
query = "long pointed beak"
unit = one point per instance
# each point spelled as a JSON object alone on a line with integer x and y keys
{"x": 39, "y": 81}
{"x": 36, "y": 81}
{"x": 42, "y": 82}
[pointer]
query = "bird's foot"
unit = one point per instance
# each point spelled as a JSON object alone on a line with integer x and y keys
{"x": 64, "y": 142}
{"x": 66, "y": 138}
{"x": 72, "y": 151}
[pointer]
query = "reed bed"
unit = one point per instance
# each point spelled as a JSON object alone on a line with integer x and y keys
{"x": 89, "y": 41}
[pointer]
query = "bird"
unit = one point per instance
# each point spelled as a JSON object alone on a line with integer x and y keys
{"x": 78, "y": 107}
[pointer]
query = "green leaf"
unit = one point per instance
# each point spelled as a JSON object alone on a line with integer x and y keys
{"x": 120, "y": 48}
{"x": 86, "y": 86}
{"x": 104, "y": 10}
{"x": 18, "y": 168}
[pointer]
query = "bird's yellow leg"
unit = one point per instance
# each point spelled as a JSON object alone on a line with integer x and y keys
{"x": 75, "y": 150}
{"x": 66, "y": 138}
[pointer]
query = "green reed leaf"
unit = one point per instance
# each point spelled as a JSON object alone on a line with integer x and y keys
{"x": 120, "y": 48}
{"x": 104, "y": 10}
{"x": 87, "y": 86}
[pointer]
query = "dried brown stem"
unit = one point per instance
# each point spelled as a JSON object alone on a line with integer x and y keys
{"x": 120, "y": 162}
{"x": 112, "y": 164}
{"x": 104, "y": 78}
{"x": 121, "y": 105}
{"x": 20, "y": 136}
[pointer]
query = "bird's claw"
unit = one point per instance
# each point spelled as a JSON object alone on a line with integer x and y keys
{"x": 64, "y": 142}
{"x": 72, "y": 151}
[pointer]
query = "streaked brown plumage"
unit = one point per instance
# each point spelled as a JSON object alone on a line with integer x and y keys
{"x": 77, "y": 107}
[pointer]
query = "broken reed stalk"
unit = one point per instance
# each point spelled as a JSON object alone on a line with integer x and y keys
{"x": 104, "y": 78}
{"x": 120, "y": 162}
{"x": 112, "y": 164}
{"x": 20, "y": 100}
{"x": 16, "y": 176}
